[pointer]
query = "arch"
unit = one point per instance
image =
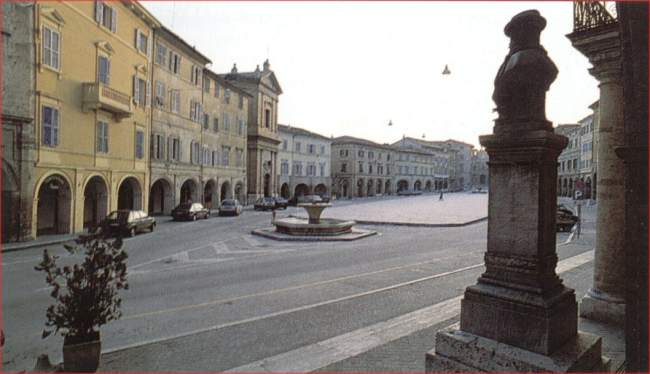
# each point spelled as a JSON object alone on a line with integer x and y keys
{"x": 402, "y": 185}
{"x": 427, "y": 186}
{"x": 360, "y": 187}
{"x": 284, "y": 191}
{"x": 387, "y": 187}
{"x": 95, "y": 201}
{"x": 210, "y": 196}
{"x": 226, "y": 191}
{"x": 370, "y": 188}
{"x": 301, "y": 190}
{"x": 378, "y": 186}
{"x": 320, "y": 189}
{"x": 344, "y": 189}
{"x": 417, "y": 186}
{"x": 53, "y": 211}
{"x": 239, "y": 192}
{"x": 189, "y": 191}
{"x": 482, "y": 179}
{"x": 267, "y": 185}
{"x": 161, "y": 197}
{"x": 129, "y": 194}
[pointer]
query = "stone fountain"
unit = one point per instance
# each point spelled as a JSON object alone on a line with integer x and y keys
{"x": 314, "y": 228}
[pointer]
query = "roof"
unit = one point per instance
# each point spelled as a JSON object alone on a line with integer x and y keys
{"x": 350, "y": 139}
{"x": 253, "y": 77}
{"x": 301, "y": 131}
{"x": 189, "y": 49}
{"x": 224, "y": 82}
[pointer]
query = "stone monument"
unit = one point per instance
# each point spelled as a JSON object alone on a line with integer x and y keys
{"x": 519, "y": 316}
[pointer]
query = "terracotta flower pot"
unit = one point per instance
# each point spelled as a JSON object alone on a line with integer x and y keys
{"x": 81, "y": 356}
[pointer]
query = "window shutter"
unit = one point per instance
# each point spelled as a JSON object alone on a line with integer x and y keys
{"x": 99, "y": 11}
{"x": 114, "y": 20}
{"x": 136, "y": 90}
{"x": 55, "y": 127}
{"x": 170, "y": 147}
{"x": 148, "y": 94}
{"x": 108, "y": 71}
{"x": 150, "y": 45}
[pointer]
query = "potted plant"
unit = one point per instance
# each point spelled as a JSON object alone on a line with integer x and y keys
{"x": 86, "y": 297}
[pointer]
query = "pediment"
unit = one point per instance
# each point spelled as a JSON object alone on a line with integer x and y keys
{"x": 53, "y": 15}
{"x": 141, "y": 68}
{"x": 106, "y": 47}
{"x": 271, "y": 81}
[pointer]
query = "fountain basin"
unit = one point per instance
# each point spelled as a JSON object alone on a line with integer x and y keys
{"x": 302, "y": 227}
{"x": 314, "y": 210}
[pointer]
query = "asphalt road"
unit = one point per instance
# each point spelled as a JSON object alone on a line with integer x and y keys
{"x": 262, "y": 297}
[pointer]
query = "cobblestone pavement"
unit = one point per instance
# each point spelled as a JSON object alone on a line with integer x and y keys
{"x": 455, "y": 208}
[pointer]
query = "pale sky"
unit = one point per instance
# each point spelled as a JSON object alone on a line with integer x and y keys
{"x": 347, "y": 68}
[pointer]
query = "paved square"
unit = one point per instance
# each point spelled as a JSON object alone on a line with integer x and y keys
{"x": 455, "y": 208}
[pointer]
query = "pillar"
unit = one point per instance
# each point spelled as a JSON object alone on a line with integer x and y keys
{"x": 605, "y": 300}
{"x": 519, "y": 316}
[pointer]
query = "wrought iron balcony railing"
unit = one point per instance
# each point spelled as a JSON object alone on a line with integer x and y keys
{"x": 589, "y": 15}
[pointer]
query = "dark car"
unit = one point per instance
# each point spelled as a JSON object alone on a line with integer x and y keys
{"x": 128, "y": 222}
{"x": 281, "y": 202}
{"x": 264, "y": 203}
{"x": 230, "y": 206}
{"x": 190, "y": 211}
{"x": 565, "y": 219}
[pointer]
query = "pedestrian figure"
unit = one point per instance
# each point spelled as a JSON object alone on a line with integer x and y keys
{"x": 273, "y": 216}
{"x": 440, "y": 198}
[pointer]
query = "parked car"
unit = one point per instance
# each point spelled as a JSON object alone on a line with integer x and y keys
{"x": 127, "y": 222}
{"x": 190, "y": 211}
{"x": 231, "y": 207}
{"x": 304, "y": 199}
{"x": 264, "y": 203}
{"x": 409, "y": 192}
{"x": 281, "y": 202}
{"x": 480, "y": 190}
{"x": 565, "y": 219}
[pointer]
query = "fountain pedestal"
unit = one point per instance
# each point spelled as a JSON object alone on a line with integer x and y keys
{"x": 314, "y": 210}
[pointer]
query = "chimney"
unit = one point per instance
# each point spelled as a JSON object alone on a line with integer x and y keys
{"x": 267, "y": 65}
{"x": 234, "y": 69}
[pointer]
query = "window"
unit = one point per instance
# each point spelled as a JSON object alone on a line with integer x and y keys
{"x": 267, "y": 118}
{"x": 160, "y": 94}
{"x": 342, "y": 153}
{"x": 360, "y": 154}
{"x": 284, "y": 167}
{"x": 240, "y": 157}
{"x": 360, "y": 167}
{"x": 195, "y": 111}
{"x": 388, "y": 157}
{"x": 311, "y": 169}
{"x": 206, "y": 85}
{"x": 50, "y": 126}
{"x": 285, "y": 145}
{"x": 344, "y": 167}
{"x": 141, "y": 91}
{"x": 241, "y": 102}
{"x": 102, "y": 137}
{"x": 157, "y": 146}
{"x": 174, "y": 62}
{"x": 322, "y": 149}
{"x": 206, "y": 156}
{"x": 195, "y": 152}
{"x": 216, "y": 89}
{"x": 298, "y": 146}
{"x": 196, "y": 75}
{"x": 226, "y": 122}
{"x": 51, "y": 48}
{"x": 369, "y": 169}
{"x": 175, "y": 101}
{"x": 371, "y": 154}
{"x": 226, "y": 96}
{"x": 215, "y": 124}
{"x": 225, "y": 156}
{"x": 322, "y": 169}
{"x": 106, "y": 16}
{"x": 139, "y": 144}
{"x": 161, "y": 53}
{"x": 297, "y": 168}
{"x": 141, "y": 41}
{"x": 240, "y": 129}
{"x": 176, "y": 149}
{"x": 311, "y": 148}
{"x": 103, "y": 69}
{"x": 215, "y": 158}
{"x": 206, "y": 121}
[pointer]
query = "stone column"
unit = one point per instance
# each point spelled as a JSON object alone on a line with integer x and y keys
{"x": 605, "y": 301}
{"x": 519, "y": 316}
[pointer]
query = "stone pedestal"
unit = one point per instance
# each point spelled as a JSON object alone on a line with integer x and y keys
{"x": 605, "y": 301}
{"x": 519, "y": 316}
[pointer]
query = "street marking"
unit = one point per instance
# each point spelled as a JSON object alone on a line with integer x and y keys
{"x": 339, "y": 348}
{"x": 251, "y": 241}
{"x": 307, "y": 285}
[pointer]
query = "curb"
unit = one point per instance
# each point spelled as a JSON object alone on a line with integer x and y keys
{"x": 414, "y": 224}
{"x": 32, "y": 244}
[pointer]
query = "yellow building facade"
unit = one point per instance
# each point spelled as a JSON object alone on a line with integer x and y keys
{"x": 92, "y": 112}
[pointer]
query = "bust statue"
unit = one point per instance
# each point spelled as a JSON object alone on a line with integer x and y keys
{"x": 526, "y": 73}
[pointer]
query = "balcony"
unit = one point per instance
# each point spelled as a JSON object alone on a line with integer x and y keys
{"x": 590, "y": 15}
{"x": 96, "y": 95}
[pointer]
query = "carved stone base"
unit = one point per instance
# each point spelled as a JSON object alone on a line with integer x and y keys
{"x": 601, "y": 309}
{"x": 458, "y": 351}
